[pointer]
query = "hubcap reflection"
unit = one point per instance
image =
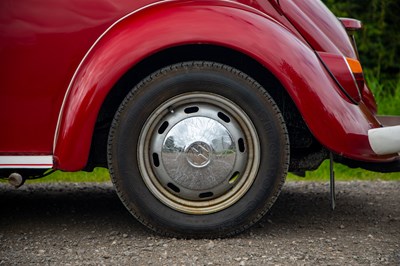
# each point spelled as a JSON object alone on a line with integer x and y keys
{"x": 198, "y": 154}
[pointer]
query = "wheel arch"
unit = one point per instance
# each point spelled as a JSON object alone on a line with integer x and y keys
{"x": 212, "y": 53}
{"x": 231, "y": 26}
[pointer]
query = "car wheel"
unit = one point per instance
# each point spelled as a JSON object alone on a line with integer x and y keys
{"x": 198, "y": 149}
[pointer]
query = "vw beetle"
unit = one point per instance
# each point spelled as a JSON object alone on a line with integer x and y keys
{"x": 199, "y": 109}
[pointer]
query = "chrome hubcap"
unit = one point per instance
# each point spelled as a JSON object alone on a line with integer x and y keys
{"x": 198, "y": 153}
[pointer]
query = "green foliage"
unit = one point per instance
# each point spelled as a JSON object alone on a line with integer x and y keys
{"x": 387, "y": 94}
{"x": 379, "y": 46}
{"x": 379, "y": 41}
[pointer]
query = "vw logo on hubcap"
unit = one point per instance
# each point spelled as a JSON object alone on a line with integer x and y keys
{"x": 198, "y": 154}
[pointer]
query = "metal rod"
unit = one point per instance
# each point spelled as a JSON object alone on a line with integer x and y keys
{"x": 332, "y": 182}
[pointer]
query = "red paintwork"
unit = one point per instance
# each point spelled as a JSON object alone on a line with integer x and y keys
{"x": 41, "y": 45}
{"x": 41, "y": 53}
{"x": 323, "y": 31}
{"x": 369, "y": 100}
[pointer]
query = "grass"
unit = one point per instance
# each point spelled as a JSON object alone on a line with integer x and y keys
{"x": 344, "y": 173}
{"x": 98, "y": 175}
{"x": 387, "y": 95}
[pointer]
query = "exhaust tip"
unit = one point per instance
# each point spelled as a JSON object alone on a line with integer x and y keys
{"x": 16, "y": 180}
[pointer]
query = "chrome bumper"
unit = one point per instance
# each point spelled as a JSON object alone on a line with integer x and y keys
{"x": 386, "y": 139}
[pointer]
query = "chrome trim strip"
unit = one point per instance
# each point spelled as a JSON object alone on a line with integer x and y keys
{"x": 26, "y": 161}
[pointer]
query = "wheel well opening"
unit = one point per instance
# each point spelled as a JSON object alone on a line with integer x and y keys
{"x": 301, "y": 140}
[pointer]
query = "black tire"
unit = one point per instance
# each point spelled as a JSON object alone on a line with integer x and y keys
{"x": 220, "y": 177}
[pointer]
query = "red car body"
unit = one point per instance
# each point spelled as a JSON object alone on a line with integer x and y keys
{"x": 63, "y": 63}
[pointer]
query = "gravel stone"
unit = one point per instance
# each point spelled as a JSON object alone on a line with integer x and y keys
{"x": 86, "y": 224}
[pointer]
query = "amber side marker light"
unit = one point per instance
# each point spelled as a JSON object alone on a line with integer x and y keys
{"x": 356, "y": 68}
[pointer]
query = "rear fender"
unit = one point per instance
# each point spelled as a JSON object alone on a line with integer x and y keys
{"x": 337, "y": 123}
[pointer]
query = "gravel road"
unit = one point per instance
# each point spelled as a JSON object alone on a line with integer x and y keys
{"x": 85, "y": 224}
